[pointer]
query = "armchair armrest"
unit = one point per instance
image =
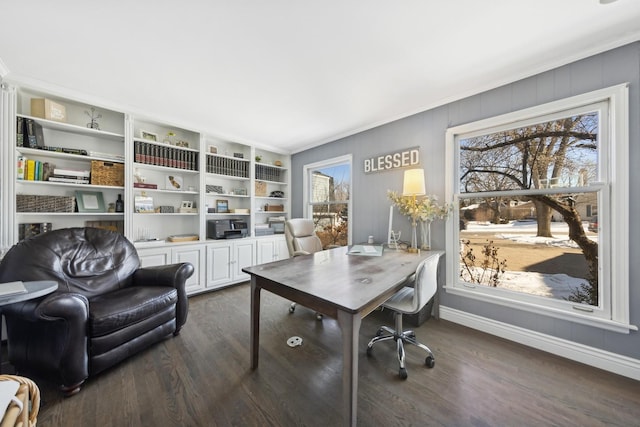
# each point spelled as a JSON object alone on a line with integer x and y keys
{"x": 298, "y": 253}
{"x": 173, "y": 275}
{"x": 60, "y": 317}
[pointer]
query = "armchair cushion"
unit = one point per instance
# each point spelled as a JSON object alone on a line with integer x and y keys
{"x": 125, "y": 307}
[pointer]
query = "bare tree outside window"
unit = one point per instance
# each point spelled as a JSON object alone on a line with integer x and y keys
{"x": 533, "y": 180}
{"x": 330, "y": 192}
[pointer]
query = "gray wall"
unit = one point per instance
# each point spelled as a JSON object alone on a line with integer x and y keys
{"x": 427, "y": 130}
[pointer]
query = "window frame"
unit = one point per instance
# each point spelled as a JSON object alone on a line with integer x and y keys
{"x": 306, "y": 185}
{"x": 613, "y": 187}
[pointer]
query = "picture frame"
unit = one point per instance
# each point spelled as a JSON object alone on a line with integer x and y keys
{"x": 213, "y": 149}
{"x": 222, "y": 206}
{"x": 143, "y": 204}
{"x": 90, "y": 201}
{"x": 149, "y": 136}
{"x": 174, "y": 182}
{"x": 182, "y": 143}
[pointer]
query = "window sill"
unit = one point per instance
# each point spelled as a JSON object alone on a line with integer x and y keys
{"x": 576, "y": 317}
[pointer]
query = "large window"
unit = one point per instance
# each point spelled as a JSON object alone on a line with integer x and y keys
{"x": 536, "y": 226}
{"x": 327, "y": 199}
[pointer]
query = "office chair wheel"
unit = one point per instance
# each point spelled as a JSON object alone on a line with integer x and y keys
{"x": 369, "y": 350}
{"x": 318, "y": 316}
{"x": 292, "y": 308}
{"x": 430, "y": 362}
{"x": 379, "y": 332}
{"x": 403, "y": 373}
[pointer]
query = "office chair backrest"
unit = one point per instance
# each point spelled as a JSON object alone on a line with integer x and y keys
{"x": 426, "y": 282}
{"x": 301, "y": 237}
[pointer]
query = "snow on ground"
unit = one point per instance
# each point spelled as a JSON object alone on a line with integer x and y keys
{"x": 549, "y": 285}
{"x": 557, "y": 286}
{"x": 525, "y": 232}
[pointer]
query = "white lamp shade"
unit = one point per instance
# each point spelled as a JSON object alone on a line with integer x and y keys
{"x": 414, "y": 183}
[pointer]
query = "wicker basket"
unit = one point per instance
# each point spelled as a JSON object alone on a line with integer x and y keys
{"x": 23, "y": 411}
{"x": 107, "y": 173}
{"x": 40, "y": 203}
{"x": 261, "y": 188}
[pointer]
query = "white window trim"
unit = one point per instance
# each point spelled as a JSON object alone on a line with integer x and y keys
{"x": 347, "y": 158}
{"x": 616, "y": 265}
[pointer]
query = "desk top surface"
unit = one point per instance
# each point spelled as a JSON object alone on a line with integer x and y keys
{"x": 351, "y": 283}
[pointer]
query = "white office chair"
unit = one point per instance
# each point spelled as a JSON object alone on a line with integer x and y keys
{"x": 410, "y": 300}
{"x": 301, "y": 240}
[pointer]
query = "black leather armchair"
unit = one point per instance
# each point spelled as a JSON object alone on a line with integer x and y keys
{"x": 106, "y": 307}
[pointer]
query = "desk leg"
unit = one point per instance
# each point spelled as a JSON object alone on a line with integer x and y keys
{"x": 350, "y": 326}
{"x": 255, "y": 322}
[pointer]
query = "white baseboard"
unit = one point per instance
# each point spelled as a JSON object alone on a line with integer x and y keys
{"x": 618, "y": 364}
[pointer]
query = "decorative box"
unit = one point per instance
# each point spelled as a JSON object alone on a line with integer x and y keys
{"x": 47, "y": 109}
{"x": 274, "y": 208}
{"x": 261, "y": 188}
{"x": 107, "y": 173}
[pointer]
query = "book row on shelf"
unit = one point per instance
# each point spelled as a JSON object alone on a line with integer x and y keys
{"x": 36, "y": 170}
{"x": 228, "y": 166}
{"x": 150, "y": 153}
{"x": 269, "y": 173}
{"x": 28, "y": 133}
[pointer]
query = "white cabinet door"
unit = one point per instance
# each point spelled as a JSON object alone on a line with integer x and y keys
{"x": 219, "y": 267}
{"x": 265, "y": 251}
{"x": 244, "y": 251}
{"x": 271, "y": 249}
{"x": 281, "y": 252}
{"x": 195, "y": 255}
{"x": 154, "y": 256}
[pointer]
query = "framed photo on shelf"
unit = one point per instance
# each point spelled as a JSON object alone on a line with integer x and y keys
{"x": 143, "y": 204}
{"x": 213, "y": 149}
{"x": 90, "y": 201}
{"x": 149, "y": 136}
{"x": 174, "y": 182}
{"x": 222, "y": 206}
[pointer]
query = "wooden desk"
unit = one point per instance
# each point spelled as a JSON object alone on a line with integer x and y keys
{"x": 345, "y": 287}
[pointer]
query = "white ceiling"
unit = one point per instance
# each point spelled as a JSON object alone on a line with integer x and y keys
{"x": 293, "y": 74}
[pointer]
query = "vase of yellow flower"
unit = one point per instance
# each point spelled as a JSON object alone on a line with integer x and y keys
{"x": 423, "y": 210}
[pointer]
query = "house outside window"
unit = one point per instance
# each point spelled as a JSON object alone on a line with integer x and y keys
{"x": 542, "y": 209}
{"x": 327, "y": 199}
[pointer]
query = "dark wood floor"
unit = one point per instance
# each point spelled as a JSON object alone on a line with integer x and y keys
{"x": 202, "y": 378}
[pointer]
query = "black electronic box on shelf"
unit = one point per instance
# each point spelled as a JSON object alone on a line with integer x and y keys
{"x": 226, "y": 229}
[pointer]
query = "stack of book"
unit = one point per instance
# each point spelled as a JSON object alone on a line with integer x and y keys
{"x": 33, "y": 170}
{"x": 70, "y": 176}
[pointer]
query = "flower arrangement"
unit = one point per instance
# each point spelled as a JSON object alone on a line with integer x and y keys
{"x": 422, "y": 209}
{"x": 425, "y": 208}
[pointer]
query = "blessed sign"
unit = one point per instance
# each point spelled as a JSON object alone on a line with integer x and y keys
{"x": 395, "y": 160}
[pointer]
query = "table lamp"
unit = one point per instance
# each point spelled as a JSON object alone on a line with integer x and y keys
{"x": 413, "y": 185}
